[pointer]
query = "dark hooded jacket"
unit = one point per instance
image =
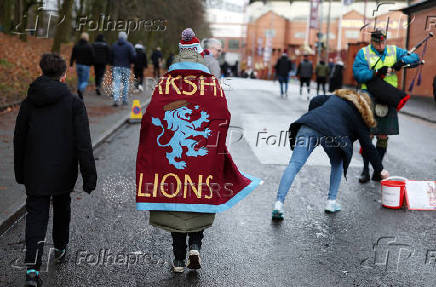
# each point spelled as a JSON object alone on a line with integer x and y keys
{"x": 140, "y": 62}
{"x": 283, "y": 66}
{"x": 82, "y": 53}
{"x": 123, "y": 53}
{"x": 102, "y": 51}
{"x": 340, "y": 122}
{"x": 51, "y": 137}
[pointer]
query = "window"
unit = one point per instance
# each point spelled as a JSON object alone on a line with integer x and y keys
{"x": 223, "y": 43}
{"x": 233, "y": 44}
{"x": 350, "y": 34}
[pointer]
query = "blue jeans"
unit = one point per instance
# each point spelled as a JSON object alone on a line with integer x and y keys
{"x": 306, "y": 141}
{"x": 120, "y": 74}
{"x": 82, "y": 76}
{"x": 283, "y": 83}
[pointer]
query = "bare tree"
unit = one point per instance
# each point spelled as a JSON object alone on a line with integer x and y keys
{"x": 6, "y": 15}
{"x": 64, "y": 28}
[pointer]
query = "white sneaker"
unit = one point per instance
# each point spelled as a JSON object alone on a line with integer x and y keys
{"x": 178, "y": 266}
{"x": 140, "y": 88}
{"x": 277, "y": 213}
{"x": 332, "y": 206}
{"x": 194, "y": 260}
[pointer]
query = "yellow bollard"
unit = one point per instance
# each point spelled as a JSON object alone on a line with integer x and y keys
{"x": 136, "y": 112}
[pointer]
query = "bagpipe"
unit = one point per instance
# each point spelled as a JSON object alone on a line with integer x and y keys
{"x": 389, "y": 95}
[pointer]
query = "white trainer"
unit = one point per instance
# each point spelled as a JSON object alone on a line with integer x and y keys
{"x": 332, "y": 206}
{"x": 194, "y": 260}
{"x": 277, "y": 213}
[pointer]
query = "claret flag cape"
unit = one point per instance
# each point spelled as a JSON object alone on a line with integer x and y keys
{"x": 183, "y": 163}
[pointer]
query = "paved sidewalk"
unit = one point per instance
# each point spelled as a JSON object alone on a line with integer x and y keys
{"x": 421, "y": 107}
{"x": 103, "y": 118}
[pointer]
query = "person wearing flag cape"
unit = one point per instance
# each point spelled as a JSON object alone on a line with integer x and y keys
{"x": 184, "y": 172}
{"x": 375, "y": 68}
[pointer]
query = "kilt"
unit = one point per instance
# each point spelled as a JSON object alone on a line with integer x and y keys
{"x": 387, "y": 125}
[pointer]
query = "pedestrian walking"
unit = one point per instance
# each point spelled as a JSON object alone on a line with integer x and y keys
{"x": 334, "y": 122}
{"x": 215, "y": 48}
{"x": 322, "y": 72}
{"x": 170, "y": 60}
{"x": 378, "y": 60}
{"x": 123, "y": 55}
{"x": 102, "y": 57}
{"x": 283, "y": 68}
{"x": 156, "y": 59}
{"x": 51, "y": 139}
{"x": 225, "y": 69}
{"x": 139, "y": 65}
{"x": 336, "y": 77}
{"x": 200, "y": 112}
{"x": 305, "y": 72}
{"x": 83, "y": 55}
{"x": 331, "y": 65}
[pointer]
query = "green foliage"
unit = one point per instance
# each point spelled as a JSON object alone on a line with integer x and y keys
{"x": 5, "y": 63}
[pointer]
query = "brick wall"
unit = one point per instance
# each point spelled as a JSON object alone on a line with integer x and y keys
{"x": 418, "y": 31}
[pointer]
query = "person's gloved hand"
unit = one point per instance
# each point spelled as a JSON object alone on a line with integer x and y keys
{"x": 403, "y": 102}
{"x": 382, "y": 72}
{"x": 398, "y": 65}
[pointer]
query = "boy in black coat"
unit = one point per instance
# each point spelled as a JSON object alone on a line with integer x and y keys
{"x": 139, "y": 65}
{"x": 51, "y": 137}
{"x": 102, "y": 57}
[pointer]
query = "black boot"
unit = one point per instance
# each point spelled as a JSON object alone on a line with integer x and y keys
{"x": 376, "y": 176}
{"x": 364, "y": 176}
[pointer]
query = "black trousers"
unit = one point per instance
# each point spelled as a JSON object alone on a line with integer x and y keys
{"x": 37, "y": 216}
{"x": 305, "y": 81}
{"x": 179, "y": 242}
{"x": 99, "y": 74}
{"x": 156, "y": 71}
{"x": 320, "y": 82}
{"x": 139, "y": 76}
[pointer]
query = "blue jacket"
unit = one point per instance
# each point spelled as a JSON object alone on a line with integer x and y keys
{"x": 123, "y": 53}
{"x": 341, "y": 123}
{"x": 362, "y": 73}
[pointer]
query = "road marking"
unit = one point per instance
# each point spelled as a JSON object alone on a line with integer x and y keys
{"x": 266, "y": 134}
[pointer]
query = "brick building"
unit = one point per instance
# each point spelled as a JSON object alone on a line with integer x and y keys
{"x": 287, "y": 24}
{"x": 422, "y": 17}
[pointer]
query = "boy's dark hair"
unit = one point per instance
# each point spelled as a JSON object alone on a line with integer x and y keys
{"x": 53, "y": 65}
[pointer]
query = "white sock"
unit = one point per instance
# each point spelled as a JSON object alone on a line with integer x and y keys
{"x": 330, "y": 201}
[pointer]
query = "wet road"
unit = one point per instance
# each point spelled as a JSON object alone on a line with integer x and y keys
{"x": 112, "y": 244}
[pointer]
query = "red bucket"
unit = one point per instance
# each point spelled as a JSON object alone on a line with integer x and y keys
{"x": 393, "y": 189}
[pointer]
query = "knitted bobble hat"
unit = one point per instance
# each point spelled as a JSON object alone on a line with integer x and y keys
{"x": 190, "y": 42}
